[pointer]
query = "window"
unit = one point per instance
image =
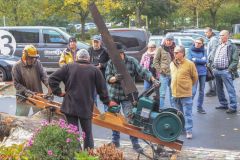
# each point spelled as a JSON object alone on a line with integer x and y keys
{"x": 52, "y": 36}
{"x": 25, "y": 35}
{"x": 187, "y": 43}
{"x": 133, "y": 40}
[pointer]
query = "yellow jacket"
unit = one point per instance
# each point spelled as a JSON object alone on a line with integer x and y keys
{"x": 182, "y": 78}
{"x": 66, "y": 57}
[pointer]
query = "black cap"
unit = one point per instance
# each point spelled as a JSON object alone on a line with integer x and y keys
{"x": 72, "y": 39}
{"x": 119, "y": 47}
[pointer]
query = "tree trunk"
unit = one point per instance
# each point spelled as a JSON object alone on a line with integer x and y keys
{"x": 82, "y": 29}
{"x": 213, "y": 14}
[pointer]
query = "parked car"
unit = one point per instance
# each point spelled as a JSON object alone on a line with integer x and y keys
{"x": 185, "y": 41}
{"x": 6, "y": 63}
{"x": 193, "y": 35}
{"x": 50, "y": 41}
{"x": 157, "y": 39}
{"x": 237, "y": 43}
{"x": 134, "y": 40}
{"x": 200, "y": 31}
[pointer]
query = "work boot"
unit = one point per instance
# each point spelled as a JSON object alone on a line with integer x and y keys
{"x": 137, "y": 148}
{"x": 210, "y": 94}
{"x": 231, "y": 111}
{"x": 222, "y": 107}
{"x": 116, "y": 144}
{"x": 201, "y": 110}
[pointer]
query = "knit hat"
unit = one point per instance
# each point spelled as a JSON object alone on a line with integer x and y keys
{"x": 82, "y": 54}
{"x": 169, "y": 37}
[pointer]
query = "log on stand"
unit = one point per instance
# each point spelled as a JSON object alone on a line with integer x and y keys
{"x": 19, "y": 129}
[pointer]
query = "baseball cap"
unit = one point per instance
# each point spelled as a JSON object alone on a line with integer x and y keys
{"x": 97, "y": 38}
{"x": 119, "y": 47}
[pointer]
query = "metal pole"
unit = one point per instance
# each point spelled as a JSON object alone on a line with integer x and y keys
{"x": 197, "y": 19}
{"x": 4, "y": 21}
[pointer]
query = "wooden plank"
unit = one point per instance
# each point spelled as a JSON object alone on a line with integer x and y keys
{"x": 127, "y": 83}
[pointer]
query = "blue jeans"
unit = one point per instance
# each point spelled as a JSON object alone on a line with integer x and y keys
{"x": 165, "y": 83}
{"x": 127, "y": 108}
{"x": 225, "y": 77}
{"x": 201, "y": 80}
{"x": 146, "y": 85}
{"x": 184, "y": 104}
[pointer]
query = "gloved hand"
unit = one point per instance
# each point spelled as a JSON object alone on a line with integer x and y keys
{"x": 119, "y": 77}
{"x": 156, "y": 83}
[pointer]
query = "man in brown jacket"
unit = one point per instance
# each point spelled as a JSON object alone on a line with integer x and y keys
{"x": 28, "y": 73}
{"x": 184, "y": 75}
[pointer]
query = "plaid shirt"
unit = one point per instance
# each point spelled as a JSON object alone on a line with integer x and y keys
{"x": 221, "y": 57}
{"x": 115, "y": 90}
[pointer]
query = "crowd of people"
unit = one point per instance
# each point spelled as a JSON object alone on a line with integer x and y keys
{"x": 88, "y": 73}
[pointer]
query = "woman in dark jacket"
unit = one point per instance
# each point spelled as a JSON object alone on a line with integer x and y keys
{"x": 199, "y": 57}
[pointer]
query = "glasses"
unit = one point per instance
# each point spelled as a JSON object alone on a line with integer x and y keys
{"x": 198, "y": 42}
{"x": 151, "y": 47}
{"x": 176, "y": 52}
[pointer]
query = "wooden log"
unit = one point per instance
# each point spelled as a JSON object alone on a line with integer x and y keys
{"x": 19, "y": 129}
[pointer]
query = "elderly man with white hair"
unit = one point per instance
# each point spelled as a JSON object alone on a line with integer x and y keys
{"x": 225, "y": 70}
{"x": 81, "y": 80}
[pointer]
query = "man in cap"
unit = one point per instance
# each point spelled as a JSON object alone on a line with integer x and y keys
{"x": 28, "y": 73}
{"x": 184, "y": 76}
{"x": 81, "y": 80}
{"x": 163, "y": 57}
{"x": 116, "y": 92}
{"x": 98, "y": 57}
{"x": 69, "y": 54}
{"x": 98, "y": 54}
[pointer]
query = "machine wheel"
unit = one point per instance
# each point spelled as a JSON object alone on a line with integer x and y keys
{"x": 3, "y": 75}
{"x": 177, "y": 112}
{"x": 167, "y": 126}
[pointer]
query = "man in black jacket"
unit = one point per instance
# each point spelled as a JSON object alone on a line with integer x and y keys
{"x": 98, "y": 54}
{"x": 81, "y": 80}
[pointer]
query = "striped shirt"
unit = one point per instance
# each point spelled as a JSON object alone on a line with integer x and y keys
{"x": 221, "y": 57}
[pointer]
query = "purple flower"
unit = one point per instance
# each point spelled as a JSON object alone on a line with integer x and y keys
{"x": 44, "y": 123}
{"x": 50, "y": 153}
{"x": 30, "y": 142}
{"x": 68, "y": 140}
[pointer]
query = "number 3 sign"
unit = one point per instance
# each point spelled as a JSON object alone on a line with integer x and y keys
{"x": 7, "y": 43}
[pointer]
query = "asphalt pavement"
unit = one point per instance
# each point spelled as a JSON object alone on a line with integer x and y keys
{"x": 215, "y": 134}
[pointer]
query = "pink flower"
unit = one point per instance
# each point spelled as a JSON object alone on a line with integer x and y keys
{"x": 44, "y": 123}
{"x": 68, "y": 140}
{"x": 50, "y": 152}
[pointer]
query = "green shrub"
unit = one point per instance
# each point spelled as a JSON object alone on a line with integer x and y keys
{"x": 84, "y": 156}
{"x": 54, "y": 141}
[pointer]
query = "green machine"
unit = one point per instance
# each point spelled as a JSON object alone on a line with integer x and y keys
{"x": 167, "y": 124}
